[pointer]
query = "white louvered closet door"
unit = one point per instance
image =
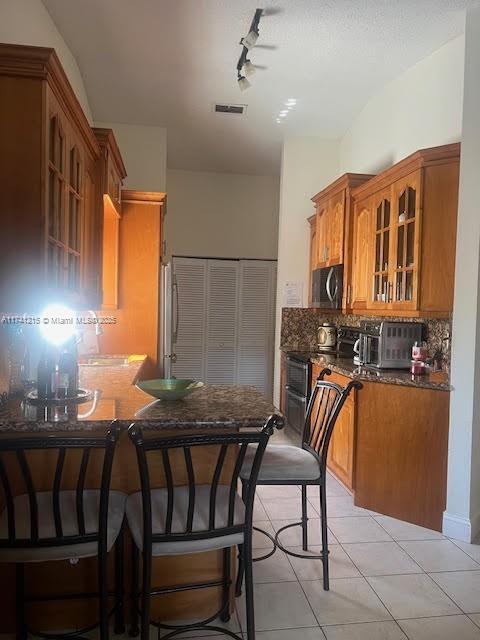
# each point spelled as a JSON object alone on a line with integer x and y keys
{"x": 190, "y": 278}
{"x": 255, "y": 324}
{"x": 226, "y": 321}
{"x": 222, "y": 305}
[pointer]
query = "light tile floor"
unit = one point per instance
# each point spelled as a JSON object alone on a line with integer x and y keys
{"x": 390, "y": 580}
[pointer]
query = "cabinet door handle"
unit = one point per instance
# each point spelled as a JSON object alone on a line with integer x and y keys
{"x": 349, "y": 291}
{"x": 390, "y": 292}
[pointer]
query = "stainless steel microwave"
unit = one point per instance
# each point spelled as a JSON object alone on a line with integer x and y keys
{"x": 327, "y": 287}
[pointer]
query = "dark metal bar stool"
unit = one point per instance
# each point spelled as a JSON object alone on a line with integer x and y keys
{"x": 304, "y": 466}
{"x": 178, "y": 520}
{"x": 59, "y": 524}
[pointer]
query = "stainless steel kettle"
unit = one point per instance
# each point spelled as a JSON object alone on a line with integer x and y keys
{"x": 326, "y": 337}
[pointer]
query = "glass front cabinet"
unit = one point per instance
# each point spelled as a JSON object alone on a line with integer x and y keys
{"x": 72, "y": 211}
{"x": 411, "y": 211}
{"x": 395, "y": 239}
{"x": 51, "y": 226}
{"x": 406, "y": 223}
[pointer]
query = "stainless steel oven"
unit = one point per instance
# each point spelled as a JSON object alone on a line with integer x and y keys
{"x": 297, "y": 388}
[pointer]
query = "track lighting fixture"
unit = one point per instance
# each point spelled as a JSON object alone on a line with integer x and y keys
{"x": 243, "y": 83}
{"x": 244, "y": 66}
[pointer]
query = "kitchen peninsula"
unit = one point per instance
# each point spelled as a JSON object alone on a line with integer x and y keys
{"x": 212, "y": 407}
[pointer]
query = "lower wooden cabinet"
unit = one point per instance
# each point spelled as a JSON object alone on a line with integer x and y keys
{"x": 340, "y": 457}
{"x": 401, "y": 450}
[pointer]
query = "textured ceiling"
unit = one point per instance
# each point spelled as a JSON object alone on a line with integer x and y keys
{"x": 165, "y": 62}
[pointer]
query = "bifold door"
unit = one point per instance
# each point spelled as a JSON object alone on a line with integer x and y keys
{"x": 225, "y": 327}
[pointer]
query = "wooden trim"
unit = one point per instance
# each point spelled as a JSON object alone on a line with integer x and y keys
{"x": 43, "y": 63}
{"x": 147, "y": 197}
{"x": 399, "y": 313}
{"x": 106, "y": 139}
{"x": 422, "y": 158}
{"x": 348, "y": 180}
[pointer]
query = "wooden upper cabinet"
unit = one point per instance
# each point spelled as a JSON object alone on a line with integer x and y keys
{"x": 312, "y": 221}
{"x": 411, "y": 241}
{"x": 336, "y": 228}
{"x": 380, "y": 250}
{"x": 112, "y": 168}
{"x": 322, "y": 235}
{"x": 50, "y": 200}
{"x": 360, "y": 284}
{"x": 111, "y": 172}
{"x": 406, "y": 225}
{"x": 334, "y": 213}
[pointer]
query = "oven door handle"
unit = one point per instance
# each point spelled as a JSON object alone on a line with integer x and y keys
{"x": 295, "y": 394}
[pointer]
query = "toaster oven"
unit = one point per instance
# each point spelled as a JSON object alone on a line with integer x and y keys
{"x": 388, "y": 345}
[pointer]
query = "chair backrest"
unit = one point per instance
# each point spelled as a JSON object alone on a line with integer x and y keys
{"x": 324, "y": 406}
{"x": 229, "y": 451}
{"x": 18, "y": 469}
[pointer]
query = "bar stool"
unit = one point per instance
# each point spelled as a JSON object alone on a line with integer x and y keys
{"x": 305, "y": 465}
{"x": 59, "y": 524}
{"x": 193, "y": 518}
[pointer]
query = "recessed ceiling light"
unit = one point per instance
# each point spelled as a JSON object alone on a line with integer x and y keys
{"x": 284, "y": 112}
{"x": 282, "y": 115}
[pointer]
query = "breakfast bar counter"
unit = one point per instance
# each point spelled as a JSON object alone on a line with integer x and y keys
{"x": 213, "y": 408}
{"x": 115, "y": 397}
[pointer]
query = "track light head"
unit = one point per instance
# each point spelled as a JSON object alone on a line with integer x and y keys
{"x": 249, "y": 68}
{"x": 250, "y": 40}
{"x": 243, "y": 83}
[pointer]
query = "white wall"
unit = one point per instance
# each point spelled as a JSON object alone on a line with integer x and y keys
{"x": 308, "y": 165}
{"x": 462, "y": 517}
{"x": 221, "y": 215}
{"x": 421, "y": 108}
{"x": 144, "y": 152}
{"x": 28, "y": 22}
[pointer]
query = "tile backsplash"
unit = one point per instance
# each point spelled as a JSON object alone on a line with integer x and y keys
{"x": 299, "y": 329}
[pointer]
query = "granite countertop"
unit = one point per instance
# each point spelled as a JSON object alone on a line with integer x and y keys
{"x": 117, "y": 397}
{"x": 345, "y": 366}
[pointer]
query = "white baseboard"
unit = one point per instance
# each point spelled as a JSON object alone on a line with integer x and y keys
{"x": 459, "y": 528}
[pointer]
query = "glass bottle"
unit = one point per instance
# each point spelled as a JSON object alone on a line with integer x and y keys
{"x": 46, "y": 375}
{"x": 67, "y": 384}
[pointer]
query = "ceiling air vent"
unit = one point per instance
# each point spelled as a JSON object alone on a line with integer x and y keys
{"x": 238, "y": 109}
